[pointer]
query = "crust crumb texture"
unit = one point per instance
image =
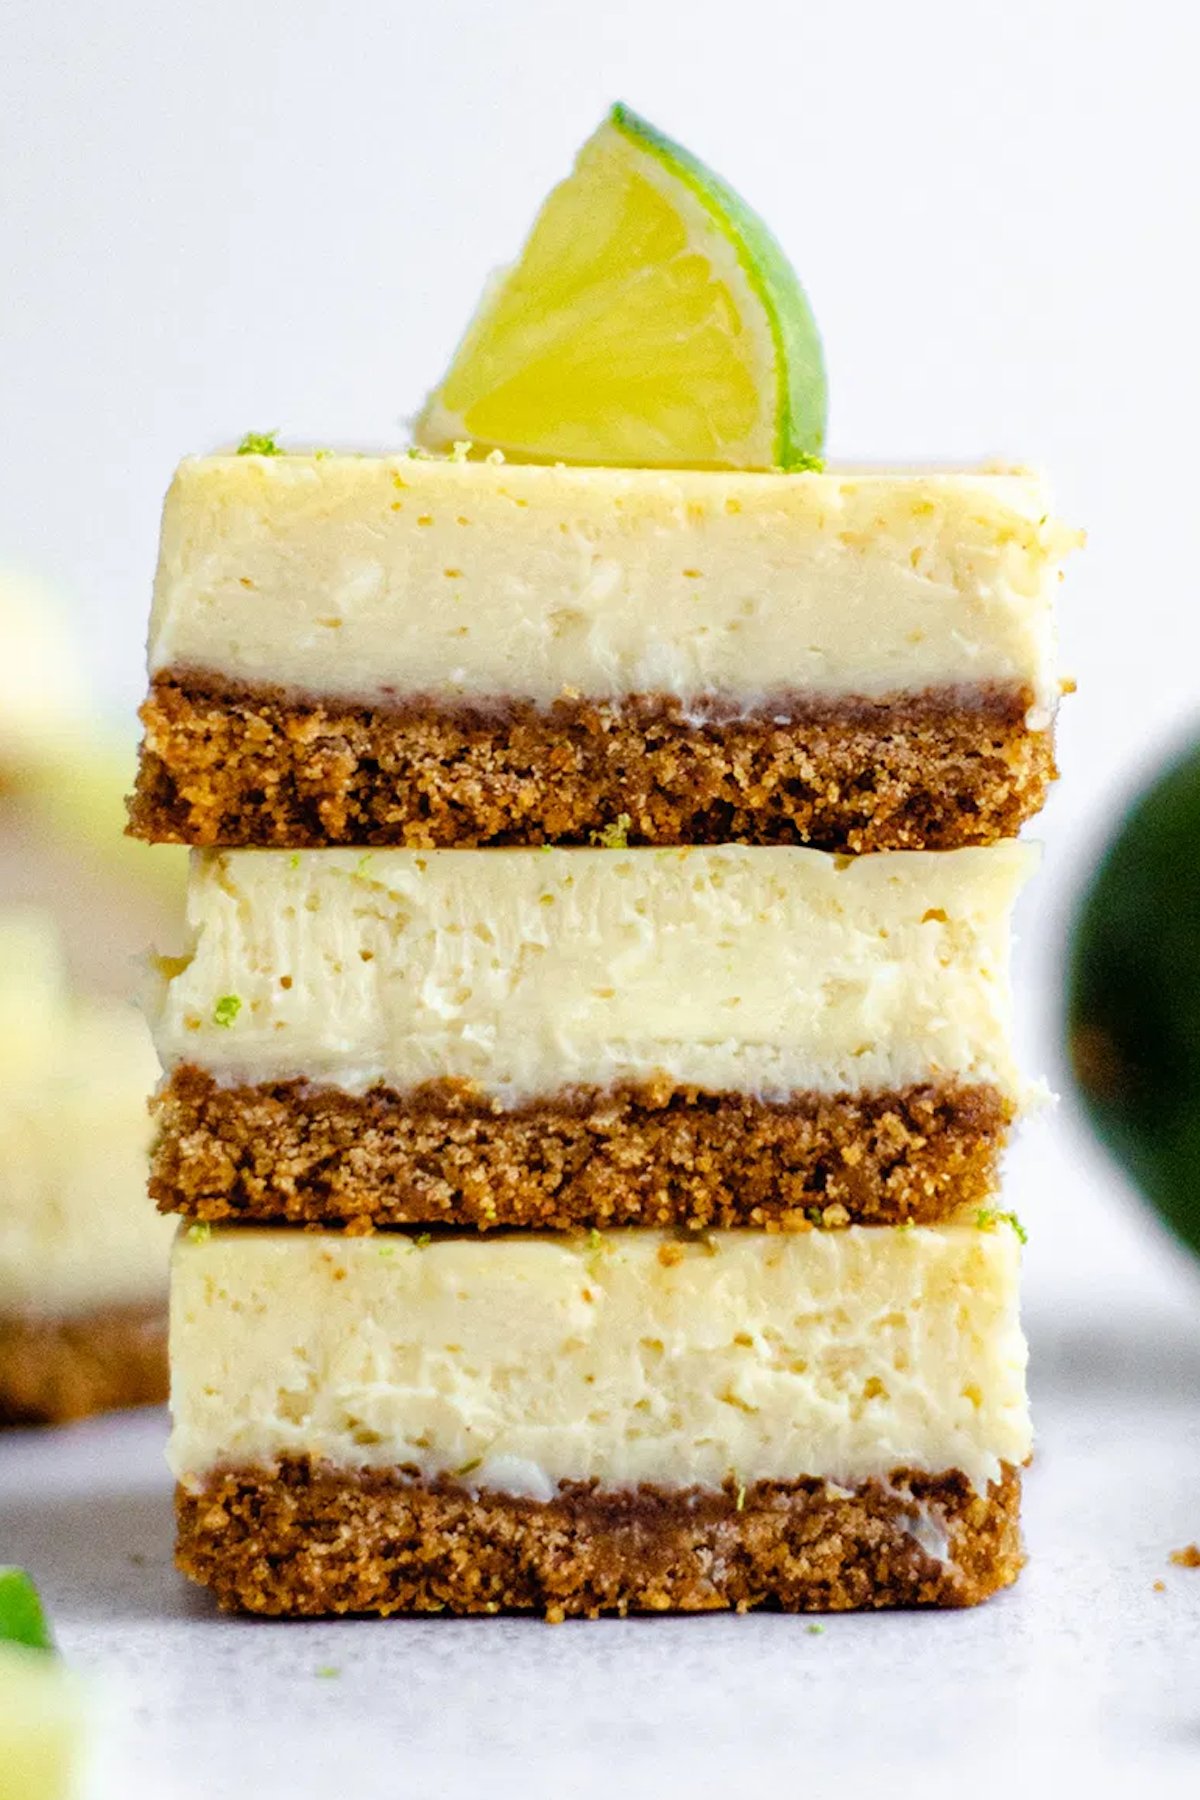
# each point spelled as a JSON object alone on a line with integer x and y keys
{"x": 310, "y": 1540}
{"x": 237, "y": 766}
{"x": 291, "y": 1152}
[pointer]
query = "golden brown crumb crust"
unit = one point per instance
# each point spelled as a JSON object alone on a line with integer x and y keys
{"x": 650, "y": 1156}
{"x": 311, "y": 1540}
{"x": 56, "y": 1369}
{"x": 232, "y": 766}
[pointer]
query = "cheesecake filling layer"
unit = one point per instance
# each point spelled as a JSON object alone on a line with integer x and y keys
{"x": 528, "y": 973}
{"x": 514, "y": 1364}
{"x": 376, "y": 579}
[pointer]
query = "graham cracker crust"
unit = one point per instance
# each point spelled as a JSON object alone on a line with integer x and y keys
{"x": 652, "y": 1156}
{"x": 306, "y": 1540}
{"x": 236, "y": 766}
{"x": 53, "y": 1370}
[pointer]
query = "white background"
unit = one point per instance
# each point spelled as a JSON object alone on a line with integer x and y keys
{"x": 259, "y": 215}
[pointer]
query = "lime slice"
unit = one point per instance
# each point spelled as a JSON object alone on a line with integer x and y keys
{"x": 652, "y": 321}
{"x": 42, "y": 1726}
{"x": 22, "y": 1620}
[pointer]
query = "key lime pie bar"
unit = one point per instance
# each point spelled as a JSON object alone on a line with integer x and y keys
{"x": 588, "y": 1037}
{"x": 587, "y": 1065}
{"x": 825, "y": 1419}
{"x": 386, "y": 650}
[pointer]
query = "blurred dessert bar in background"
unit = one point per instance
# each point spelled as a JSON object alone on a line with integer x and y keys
{"x": 64, "y": 775}
{"x": 83, "y": 1270}
{"x": 82, "y": 1265}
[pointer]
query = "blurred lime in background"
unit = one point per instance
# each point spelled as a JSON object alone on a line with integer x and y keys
{"x": 1133, "y": 1005}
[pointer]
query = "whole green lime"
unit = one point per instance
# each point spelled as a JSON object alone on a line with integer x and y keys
{"x": 1133, "y": 1004}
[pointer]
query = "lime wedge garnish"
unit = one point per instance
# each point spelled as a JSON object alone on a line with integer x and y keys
{"x": 22, "y": 1619}
{"x": 651, "y": 321}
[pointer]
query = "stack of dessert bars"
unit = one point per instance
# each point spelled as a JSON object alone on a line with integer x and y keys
{"x": 588, "y": 1065}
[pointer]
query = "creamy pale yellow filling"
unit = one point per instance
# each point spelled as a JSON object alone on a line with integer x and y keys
{"x": 77, "y": 1232}
{"x": 526, "y": 971}
{"x": 380, "y": 578}
{"x": 518, "y": 1362}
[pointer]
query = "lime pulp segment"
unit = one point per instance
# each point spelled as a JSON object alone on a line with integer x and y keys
{"x": 650, "y": 321}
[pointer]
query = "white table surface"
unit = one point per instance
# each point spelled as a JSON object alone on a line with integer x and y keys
{"x": 1083, "y": 1670}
